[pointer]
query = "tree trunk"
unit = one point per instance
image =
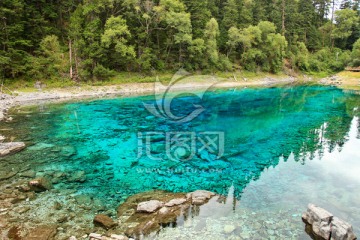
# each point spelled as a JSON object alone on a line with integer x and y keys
{"x": 283, "y": 18}
{"x": 70, "y": 59}
{"x": 332, "y": 23}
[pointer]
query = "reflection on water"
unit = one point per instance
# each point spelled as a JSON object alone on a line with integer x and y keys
{"x": 284, "y": 148}
{"x": 271, "y": 206}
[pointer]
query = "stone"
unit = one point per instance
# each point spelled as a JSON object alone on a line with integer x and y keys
{"x": 28, "y": 174}
{"x": 95, "y": 236}
{"x": 14, "y": 233}
{"x": 118, "y": 237}
{"x": 7, "y": 174}
{"x": 104, "y": 221}
{"x": 83, "y": 199}
{"x": 164, "y": 210}
{"x": 200, "y": 197}
{"x": 341, "y": 230}
{"x": 229, "y": 228}
{"x": 149, "y": 206}
{"x": 78, "y": 176}
{"x": 40, "y": 184}
{"x": 322, "y": 224}
{"x": 175, "y": 202}
{"x": 11, "y": 147}
{"x": 42, "y": 233}
{"x": 2, "y": 138}
{"x": 72, "y": 238}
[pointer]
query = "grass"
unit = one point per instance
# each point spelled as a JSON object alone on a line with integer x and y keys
{"x": 351, "y": 80}
{"x": 23, "y": 85}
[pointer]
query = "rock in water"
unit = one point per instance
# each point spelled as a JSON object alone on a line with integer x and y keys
{"x": 149, "y": 206}
{"x": 11, "y": 147}
{"x": 326, "y": 226}
{"x": 175, "y": 202}
{"x": 104, "y": 221}
{"x": 40, "y": 185}
{"x": 200, "y": 197}
{"x": 341, "y": 230}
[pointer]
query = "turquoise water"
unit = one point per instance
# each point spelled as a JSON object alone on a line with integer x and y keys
{"x": 283, "y": 148}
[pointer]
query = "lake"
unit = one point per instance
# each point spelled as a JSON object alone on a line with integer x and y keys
{"x": 270, "y": 151}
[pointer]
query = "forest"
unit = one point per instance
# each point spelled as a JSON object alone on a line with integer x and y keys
{"x": 87, "y": 40}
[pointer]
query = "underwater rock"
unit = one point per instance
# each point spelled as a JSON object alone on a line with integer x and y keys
{"x": 78, "y": 176}
{"x": 229, "y": 228}
{"x": 40, "y": 185}
{"x": 28, "y": 174}
{"x": 149, "y": 206}
{"x": 137, "y": 223}
{"x": 200, "y": 197}
{"x": 118, "y": 237}
{"x": 42, "y": 233}
{"x": 14, "y": 233}
{"x": 96, "y": 236}
{"x": 7, "y": 174}
{"x": 104, "y": 221}
{"x": 83, "y": 199}
{"x": 322, "y": 224}
{"x": 68, "y": 151}
{"x": 40, "y": 146}
{"x": 11, "y": 147}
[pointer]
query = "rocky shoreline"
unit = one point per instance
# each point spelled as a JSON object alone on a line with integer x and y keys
{"x": 80, "y": 93}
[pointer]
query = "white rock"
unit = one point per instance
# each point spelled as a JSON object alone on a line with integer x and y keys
{"x": 118, "y": 237}
{"x": 229, "y": 228}
{"x": 200, "y": 196}
{"x": 175, "y": 202}
{"x": 11, "y": 147}
{"x": 324, "y": 224}
{"x": 95, "y": 236}
{"x": 149, "y": 206}
{"x": 341, "y": 230}
{"x": 72, "y": 238}
{"x": 163, "y": 210}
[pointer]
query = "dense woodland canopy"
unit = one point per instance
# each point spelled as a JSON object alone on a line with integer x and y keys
{"x": 94, "y": 39}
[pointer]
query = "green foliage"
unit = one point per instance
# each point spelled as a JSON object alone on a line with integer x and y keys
{"x": 116, "y": 34}
{"x": 355, "y": 55}
{"x": 95, "y": 39}
{"x": 327, "y": 60}
{"x": 211, "y": 34}
{"x": 346, "y": 20}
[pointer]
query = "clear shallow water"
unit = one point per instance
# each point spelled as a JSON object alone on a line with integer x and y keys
{"x": 284, "y": 148}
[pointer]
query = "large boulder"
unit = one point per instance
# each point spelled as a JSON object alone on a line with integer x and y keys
{"x": 322, "y": 224}
{"x": 11, "y": 147}
{"x": 40, "y": 184}
{"x": 104, "y": 221}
